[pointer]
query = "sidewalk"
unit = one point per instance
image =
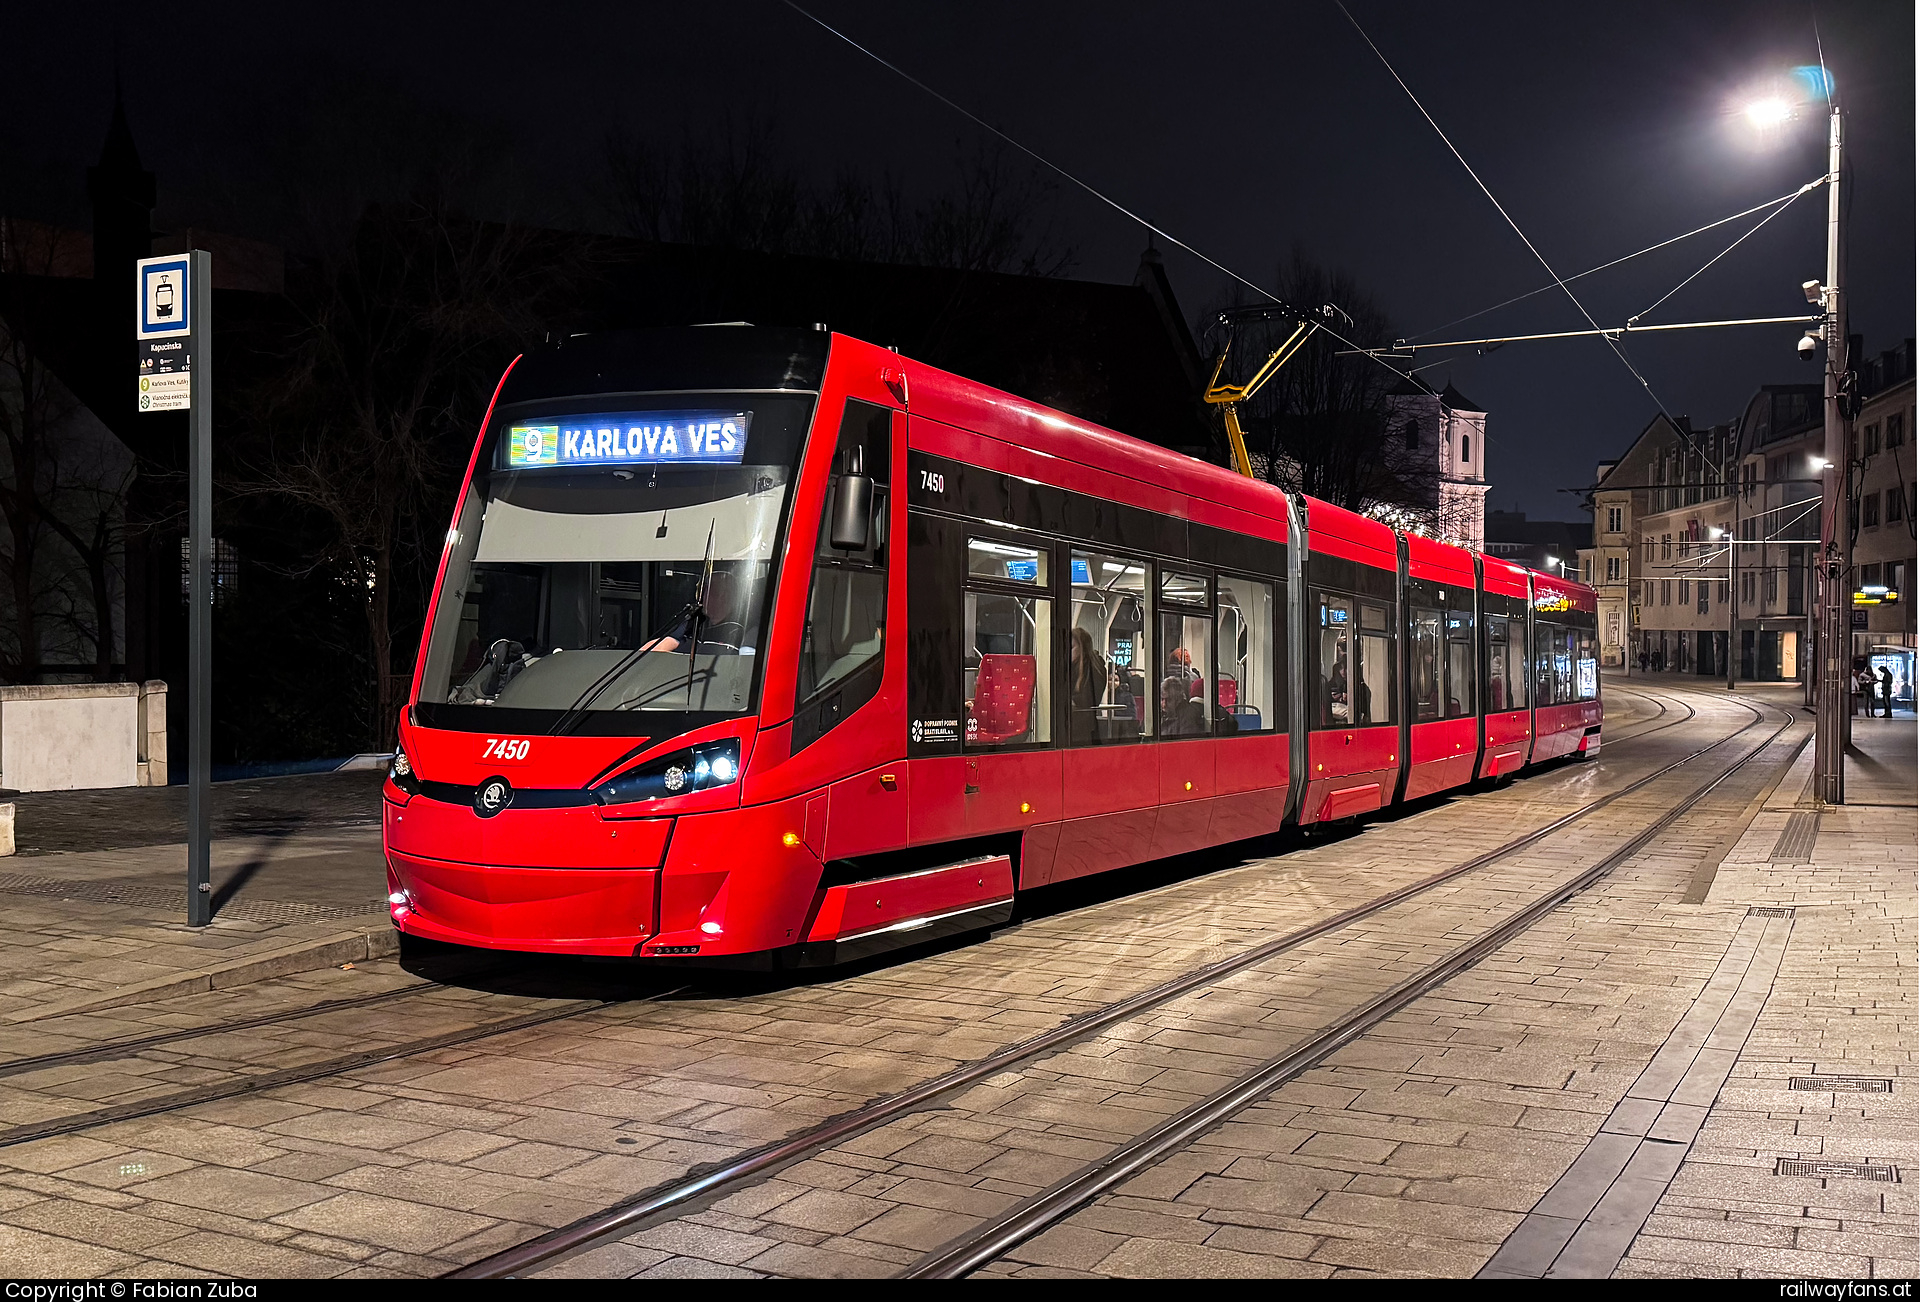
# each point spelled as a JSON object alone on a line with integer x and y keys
{"x": 1804, "y": 1164}
{"x": 95, "y": 899}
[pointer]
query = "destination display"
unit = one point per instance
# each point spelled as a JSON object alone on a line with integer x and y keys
{"x": 632, "y": 438}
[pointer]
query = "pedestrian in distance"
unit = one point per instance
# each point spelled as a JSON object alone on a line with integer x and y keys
{"x": 1886, "y": 690}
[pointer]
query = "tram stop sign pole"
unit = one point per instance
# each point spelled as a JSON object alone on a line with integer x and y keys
{"x": 175, "y": 329}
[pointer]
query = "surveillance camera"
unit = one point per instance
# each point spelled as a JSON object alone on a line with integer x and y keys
{"x": 1809, "y": 347}
{"x": 1813, "y": 289}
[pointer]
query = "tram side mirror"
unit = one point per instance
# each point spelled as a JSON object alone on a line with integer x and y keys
{"x": 851, "y": 526}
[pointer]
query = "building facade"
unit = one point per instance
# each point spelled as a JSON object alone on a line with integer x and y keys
{"x": 1611, "y": 565}
{"x": 1448, "y": 430}
{"x": 1705, "y": 539}
{"x": 1883, "y": 524}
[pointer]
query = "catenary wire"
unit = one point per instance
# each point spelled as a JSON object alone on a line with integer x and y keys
{"x": 1613, "y": 344}
{"x": 1751, "y": 231}
{"x": 1497, "y": 340}
{"x": 1048, "y": 163}
{"x": 1651, "y": 248}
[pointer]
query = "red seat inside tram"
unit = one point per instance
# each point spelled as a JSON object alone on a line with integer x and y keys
{"x": 1002, "y": 699}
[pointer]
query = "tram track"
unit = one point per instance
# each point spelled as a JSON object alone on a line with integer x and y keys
{"x": 129, "y": 1047}
{"x": 705, "y": 1186}
{"x": 110, "y": 1049}
{"x": 1001, "y": 1234}
{"x": 762, "y": 1163}
{"x": 261, "y": 1082}
{"x": 1654, "y": 724}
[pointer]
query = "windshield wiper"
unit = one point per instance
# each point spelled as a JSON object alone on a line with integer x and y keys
{"x": 694, "y": 612}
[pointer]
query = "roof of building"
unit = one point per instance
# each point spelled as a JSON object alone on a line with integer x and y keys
{"x": 1451, "y": 397}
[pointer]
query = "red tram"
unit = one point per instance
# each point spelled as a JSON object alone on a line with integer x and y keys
{"x": 772, "y": 643}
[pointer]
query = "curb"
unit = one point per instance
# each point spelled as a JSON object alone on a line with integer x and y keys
{"x": 308, "y": 957}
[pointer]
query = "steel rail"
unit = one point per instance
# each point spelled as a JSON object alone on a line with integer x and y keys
{"x": 626, "y": 1216}
{"x": 1655, "y": 720}
{"x": 246, "y": 1085}
{"x": 1026, "y": 1219}
{"x": 123, "y": 1048}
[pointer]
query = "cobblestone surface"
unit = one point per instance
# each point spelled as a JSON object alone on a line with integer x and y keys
{"x": 95, "y": 902}
{"x": 1416, "y": 1150}
{"x": 120, "y": 818}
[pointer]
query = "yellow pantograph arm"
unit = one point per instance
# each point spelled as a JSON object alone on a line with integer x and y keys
{"x": 1227, "y": 397}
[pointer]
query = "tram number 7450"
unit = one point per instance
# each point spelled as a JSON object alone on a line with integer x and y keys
{"x": 506, "y": 748}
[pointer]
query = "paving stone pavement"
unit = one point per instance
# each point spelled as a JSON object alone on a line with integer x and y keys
{"x": 420, "y": 1164}
{"x": 95, "y": 902}
{"x": 902, "y": 1189}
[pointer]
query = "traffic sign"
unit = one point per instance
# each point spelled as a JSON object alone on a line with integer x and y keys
{"x": 165, "y": 303}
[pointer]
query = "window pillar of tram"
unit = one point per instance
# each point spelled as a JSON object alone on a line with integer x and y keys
{"x": 845, "y": 634}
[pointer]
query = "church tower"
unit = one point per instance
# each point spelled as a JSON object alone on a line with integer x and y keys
{"x": 123, "y": 196}
{"x": 1446, "y": 432}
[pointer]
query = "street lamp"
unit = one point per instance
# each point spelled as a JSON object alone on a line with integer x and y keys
{"x": 1835, "y": 562}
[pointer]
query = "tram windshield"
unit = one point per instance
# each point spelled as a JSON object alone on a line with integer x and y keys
{"x": 609, "y": 568}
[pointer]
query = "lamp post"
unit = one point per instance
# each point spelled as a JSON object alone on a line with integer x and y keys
{"x": 1834, "y": 645}
{"x": 1831, "y": 654}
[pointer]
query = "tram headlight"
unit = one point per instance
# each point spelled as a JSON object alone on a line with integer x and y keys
{"x": 699, "y": 768}
{"x": 401, "y": 772}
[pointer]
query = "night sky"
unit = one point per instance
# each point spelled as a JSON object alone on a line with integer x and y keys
{"x": 1244, "y": 129}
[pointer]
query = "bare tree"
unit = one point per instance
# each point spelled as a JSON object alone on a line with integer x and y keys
{"x": 1322, "y": 425}
{"x": 373, "y": 414}
{"x": 62, "y": 490}
{"x": 733, "y": 188}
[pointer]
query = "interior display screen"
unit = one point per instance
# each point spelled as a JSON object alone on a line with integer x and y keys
{"x": 632, "y": 438}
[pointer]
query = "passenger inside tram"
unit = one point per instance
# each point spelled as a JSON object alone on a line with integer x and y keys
{"x": 1110, "y": 701}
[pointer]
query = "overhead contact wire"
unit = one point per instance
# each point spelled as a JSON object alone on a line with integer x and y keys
{"x": 1814, "y": 184}
{"x": 1048, "y": 163}
{"x": 1618, "y": 351}
{"x": 1753, "y": 230}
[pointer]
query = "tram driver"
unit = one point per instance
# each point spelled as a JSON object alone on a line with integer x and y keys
{"x": 719, "y": 629}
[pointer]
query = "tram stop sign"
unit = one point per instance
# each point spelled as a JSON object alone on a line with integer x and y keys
{"x": 164, "y": 316}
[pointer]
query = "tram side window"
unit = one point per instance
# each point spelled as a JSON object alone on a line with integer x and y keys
{"x": 847, "y": 607}
{"x": 1460, "y": 676}
{"x": 1007, "y": 635}
{"x": 1553, "y": 663}
{"x": 1427, "y": 665}
{"x": 1335, "y": 629}
{"x": 1375, "y": 701}
{"x": 1109, "y": 651}
{"x": 1544, "y": 637}
{"x": 1244, "y": 688}
{"x": 1586, "y": 665}
{"x": 1506, "y": 664}
{"x": 1354, "y": 686}
{"x": 1186, "y": 656}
